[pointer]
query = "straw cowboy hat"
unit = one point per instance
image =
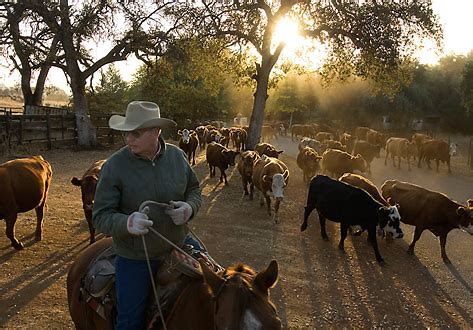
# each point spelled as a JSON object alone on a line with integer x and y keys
{"x": 140, "y": 114}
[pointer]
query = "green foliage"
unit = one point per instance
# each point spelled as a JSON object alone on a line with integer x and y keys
{"x": 110, "y": 95}
{"x": 190, "y": 83}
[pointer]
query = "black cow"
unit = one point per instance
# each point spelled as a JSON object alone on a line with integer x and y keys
{"x": 349, "y": 205}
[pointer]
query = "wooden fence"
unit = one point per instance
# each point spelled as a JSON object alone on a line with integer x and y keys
{"x": 49, "y": 130}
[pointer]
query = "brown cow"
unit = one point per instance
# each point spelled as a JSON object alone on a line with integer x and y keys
{"x": 367, "y": 150}
{"x": 426, "y": 209}
{"x": 348, "y": 141}
{"x": 337, "y": 162}
{"x": 302, "y": 130}
{"x": 375, "y": 137}
{"x": 268, "y": 150}
{"x": 238, "y": 136}
{"x": 201, "y": 135}
{"x": 268, "y": 133}
{"x": 188, "y": 142}
{"x": 439, "y": 150}
{"x": 333, "y": 144}
{"x": 245, "y": 167}
{"x": 419, "y": 138}
{"x": 360, "y": 132}
{"x": 88, "y": 184}
{"x": 308, "y": 142}
{"x": 270, "y": 176}
{"x": 322, "y": 136}
{"x": 219, "y": 156}
{"x": 399, "y": 147}
{"x": 309, "y": 162}
{"x": 24, "y": 186}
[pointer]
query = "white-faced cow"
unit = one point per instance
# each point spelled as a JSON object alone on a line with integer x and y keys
{"x": 188, "y": 142}
{"x": 245, "y": 168}
{"x": 365, "y": 184}
{"x": 219, "y": 156}
{"x": 427, "y": 209}
{"x": 271, "y": 176}
{"x": 88, "y": 184}
{"x": 348, "y": 205}
{"x": 24, "y": 185}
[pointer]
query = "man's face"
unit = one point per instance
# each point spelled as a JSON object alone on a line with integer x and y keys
{"x": 143, "y": 141}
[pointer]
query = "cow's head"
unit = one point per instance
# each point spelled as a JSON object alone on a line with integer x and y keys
{"x": 271, "y": 152}
{"x": 185, "y": 135}
{"x": 278, "y": 182}
{"x": 466, "y": 217}
{"x": 249, "y": 159}
{"x": 360, "y": 163}
{"x": 452, "y": 149}
{"x": 229, "y": 156}
{"x": 87, "y": 185}
{"x": 389, "y": 220}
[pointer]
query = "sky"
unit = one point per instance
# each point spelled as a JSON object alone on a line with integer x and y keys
{"x": 455, "y": 17}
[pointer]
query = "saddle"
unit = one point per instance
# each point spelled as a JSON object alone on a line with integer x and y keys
{"x": 173, "y": 276}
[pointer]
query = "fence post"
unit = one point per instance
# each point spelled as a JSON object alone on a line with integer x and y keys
{"x": 62, "y": 125}
{"x": 48, "y": 131}
{"x": 470, "y": 154}
{"x": 8, "y": 128}
{"x": 20, "y": 137}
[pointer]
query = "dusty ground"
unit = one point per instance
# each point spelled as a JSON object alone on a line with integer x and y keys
{"x": 318, "y": 286}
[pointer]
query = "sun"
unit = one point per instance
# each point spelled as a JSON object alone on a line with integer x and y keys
{"x": 287, "y": 31}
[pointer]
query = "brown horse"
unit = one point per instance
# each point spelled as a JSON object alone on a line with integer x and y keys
{"x": 238, "y": 298}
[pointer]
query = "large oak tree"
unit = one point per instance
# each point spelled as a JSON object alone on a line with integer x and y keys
{"x": 371, "y": 39}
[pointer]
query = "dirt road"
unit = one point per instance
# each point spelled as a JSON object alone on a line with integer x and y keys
{"x": 318, "y": 286}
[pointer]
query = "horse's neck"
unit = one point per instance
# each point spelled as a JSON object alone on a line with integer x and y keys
{"x": 194, "y": 309}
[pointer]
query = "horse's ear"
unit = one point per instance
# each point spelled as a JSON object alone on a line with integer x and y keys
{"x": 213, "y": 280}
{"x": 267, "y": 278}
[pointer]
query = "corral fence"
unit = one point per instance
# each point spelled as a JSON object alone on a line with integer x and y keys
{"x": 470, "y": 154}
{"x": 48, "y": 128}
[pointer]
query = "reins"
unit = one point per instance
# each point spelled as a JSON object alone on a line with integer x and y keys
{"x": 145, "y": 209}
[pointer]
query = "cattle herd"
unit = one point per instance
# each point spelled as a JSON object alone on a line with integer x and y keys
{"x": 328, "y": 160}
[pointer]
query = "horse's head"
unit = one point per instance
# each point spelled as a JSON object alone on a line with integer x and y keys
{"x": 241, "y": 297}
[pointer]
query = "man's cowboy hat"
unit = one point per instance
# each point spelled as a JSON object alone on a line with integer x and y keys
{"x": 140, "y": 114}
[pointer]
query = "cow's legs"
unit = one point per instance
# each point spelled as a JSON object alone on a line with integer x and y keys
{"x": 323, "y": 232}
{"x": 252, "y": 188}
{"x": 211, "y": 174}
{"x": 223, "y": 177}
{"x": 193, "y": 157}
{"x": 276, "y": 209}
{"x": 268, "y": 203}
{"x": 374, "y": 243}
{"x": 88, "y": 217}
{"x": 443, "y": 242}
{"x": 39, "y": 222}
{"x": 417, "y": 232}
{"x": 343, "y": 235}
{"x": 408, "y": 164}
{"x": 386, "y": 158}
{"x": 10, "y": 231}
{"x": 244, "y": 182}
{"x": 448, "y": 165}
{"x": 437, "y": 162}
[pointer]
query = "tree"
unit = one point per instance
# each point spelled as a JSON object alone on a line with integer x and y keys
{"x": 144, "y": 34}
{"x": 467, "y": 87}
{"x": 29, "y": 45}
{"x": 111, "y": 93}
{"x": 370, "y": 39}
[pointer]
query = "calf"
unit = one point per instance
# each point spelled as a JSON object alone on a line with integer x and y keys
{"x": 219, "y": 156}
{"x": 24, "y": 186}
{"x": 337, "y": 162}
{"x": 245, "y": 167}
{"x": 349, "y": 205}
{"x": 188, "y": 143}
{"x": 88, "y": 184}
{"x": 439, "y": 150}
{"x": 270, "y": 176}
{"x": 309, "y": 162}
{"x": 367, "y": 150}
{"x": 399, "y": 147}
{"x": 426, "y": 209}
{"x": 201, "y": 135}
{"x": 268, "y": 150}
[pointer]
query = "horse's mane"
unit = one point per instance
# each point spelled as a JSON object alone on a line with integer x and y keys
{"x": 239, "y": 268}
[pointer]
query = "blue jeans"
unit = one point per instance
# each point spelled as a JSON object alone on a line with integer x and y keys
{"x": 191, "y": 241}
{"x": 132, "y": 285}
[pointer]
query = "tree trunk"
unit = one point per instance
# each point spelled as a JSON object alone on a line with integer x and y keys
{"x": 257, "y": 115}
{"x": 86, "y": 133}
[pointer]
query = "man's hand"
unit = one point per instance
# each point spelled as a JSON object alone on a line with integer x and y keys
{"x": 180, "y": 212}
{"x": 138, "y": 223}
